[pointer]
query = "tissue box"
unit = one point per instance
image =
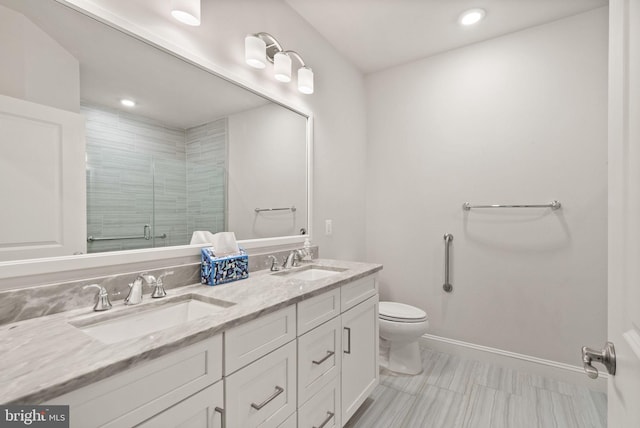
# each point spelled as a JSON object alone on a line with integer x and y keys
{"x": 219, "y": 270}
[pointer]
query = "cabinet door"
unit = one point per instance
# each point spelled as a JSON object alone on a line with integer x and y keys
{"x": 359, "y": 355}
{"x": 201, "y": 410}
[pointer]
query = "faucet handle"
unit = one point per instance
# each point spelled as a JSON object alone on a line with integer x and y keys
{"x": 274, "y": 263}
{"x": 149, "y": 279}
{"x": 158, "y": 285}
{"x": 163, "y": 276}
{"x": 102, "y": 298}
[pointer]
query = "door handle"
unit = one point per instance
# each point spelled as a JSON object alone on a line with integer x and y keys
{"x": 606, "y": 356}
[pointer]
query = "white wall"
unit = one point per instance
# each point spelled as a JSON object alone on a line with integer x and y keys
{"x": 338, "y": 104}
{"x": 267, "y": 169}
{"x": 34, "y": 66}
{"x": 518, "y": 119}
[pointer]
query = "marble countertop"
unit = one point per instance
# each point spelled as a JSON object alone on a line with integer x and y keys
{"x": 45, "y": 357}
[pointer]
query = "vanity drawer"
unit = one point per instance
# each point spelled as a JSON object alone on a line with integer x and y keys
{"x": 250, "y": 341}
{"x": 132, "y": 396}
{"x": 324, "y": 407}
{"x": 203, "y": 409}
{"x": 263, "y": 394}
{"x": 316, "y": 310}
{"x": 291, "y": 422}
{"x": 358, "y": 291}
{"x": 319, "y": 358}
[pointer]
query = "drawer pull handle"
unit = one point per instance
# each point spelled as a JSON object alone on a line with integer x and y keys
{"x": 326, "y": 421}
{"x": 348, "y": 350}
{"x": 325, "y": 358}
{"x": 268, "y": 400}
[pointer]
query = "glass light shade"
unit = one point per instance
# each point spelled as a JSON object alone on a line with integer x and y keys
{"x": 305, "y": 80}
{"x": 255, "y": 52}
{"x": 186, "y": 11}
{"x": 471, "y": 16}
{"x": 282, "y": 67}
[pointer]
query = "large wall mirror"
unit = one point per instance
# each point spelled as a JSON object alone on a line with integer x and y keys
{"x": 81, "y": 173}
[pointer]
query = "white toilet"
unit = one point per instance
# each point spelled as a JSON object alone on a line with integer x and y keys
{"x": 400, "y": 328}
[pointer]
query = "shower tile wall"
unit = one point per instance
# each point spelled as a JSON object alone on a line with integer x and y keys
{"x": 206, "y": 176}
{"x": 130, "y": 161}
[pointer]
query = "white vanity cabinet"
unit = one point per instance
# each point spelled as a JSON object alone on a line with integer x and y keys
{"x": 310, "y": 364}
{"x": 138, "y": 394}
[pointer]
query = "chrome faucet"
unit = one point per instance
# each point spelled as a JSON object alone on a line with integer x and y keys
{"x": 293, "y": 259}
{"x": 158, "y": 287}
{"x": 135, "y": 288}
{"x": 102, "y": 298}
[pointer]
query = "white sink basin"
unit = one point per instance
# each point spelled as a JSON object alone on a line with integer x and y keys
{"x": 311, "y": 273}
{"x": 151, "y": 319}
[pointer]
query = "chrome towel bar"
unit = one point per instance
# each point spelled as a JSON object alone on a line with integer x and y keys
{"x": 292, "y": 209}
{"x": 554, "y": 205}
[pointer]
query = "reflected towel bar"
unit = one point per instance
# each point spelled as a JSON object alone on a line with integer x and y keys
{"x": 147, "y": 236}
{"x": 115, "y": 238}
{"x": 554, "y": 205}
{"x": 293, "y": 209}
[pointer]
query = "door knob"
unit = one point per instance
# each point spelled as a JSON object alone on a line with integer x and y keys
{"x": 607, "y": 356}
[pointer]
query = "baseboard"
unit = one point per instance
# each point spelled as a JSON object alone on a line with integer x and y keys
{"x": 526, "y": 363}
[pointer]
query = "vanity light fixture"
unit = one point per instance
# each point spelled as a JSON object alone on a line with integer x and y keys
{"x": 471, "y": 16}
{"x": 186, "y": 11}
{"x": 127, "y": 102}
{"x": 262, "y": 47}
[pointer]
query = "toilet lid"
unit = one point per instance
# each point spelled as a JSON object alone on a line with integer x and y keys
{"x": 394, "y": 311}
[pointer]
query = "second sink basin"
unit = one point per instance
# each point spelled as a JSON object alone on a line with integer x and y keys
{"x": 311, "y": 272}
{"x": 151, "y": 319}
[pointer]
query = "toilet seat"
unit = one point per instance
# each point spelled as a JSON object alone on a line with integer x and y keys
{"x": 399, "y": 312}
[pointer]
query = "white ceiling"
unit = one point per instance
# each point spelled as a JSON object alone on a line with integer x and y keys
{"x": 378, "y": 34}
{"x": 114, "y": 66}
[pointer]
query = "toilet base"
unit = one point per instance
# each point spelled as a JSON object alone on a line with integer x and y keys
{"x": 404, "y": 358}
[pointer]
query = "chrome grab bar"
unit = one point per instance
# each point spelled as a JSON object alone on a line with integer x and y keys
{"x": 554, "y": 205}
{"x": 292, "y": 209}
{"x": 279, "y": 391}
{"x": 447, "y": 242}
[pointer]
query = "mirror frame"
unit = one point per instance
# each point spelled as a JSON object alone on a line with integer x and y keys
{"x": 40, "y": 266}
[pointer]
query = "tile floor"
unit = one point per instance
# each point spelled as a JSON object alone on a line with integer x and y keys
{"x": 453, "y": 392}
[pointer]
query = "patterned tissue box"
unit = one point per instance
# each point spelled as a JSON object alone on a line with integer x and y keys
{"x": 219, "y": 270}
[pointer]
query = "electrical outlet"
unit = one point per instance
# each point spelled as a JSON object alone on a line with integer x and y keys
{"x": 328, "y": 227}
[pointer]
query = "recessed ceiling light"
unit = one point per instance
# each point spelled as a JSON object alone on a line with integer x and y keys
{"x": 471, "y": 16}
{"x": 127, "y": 103}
